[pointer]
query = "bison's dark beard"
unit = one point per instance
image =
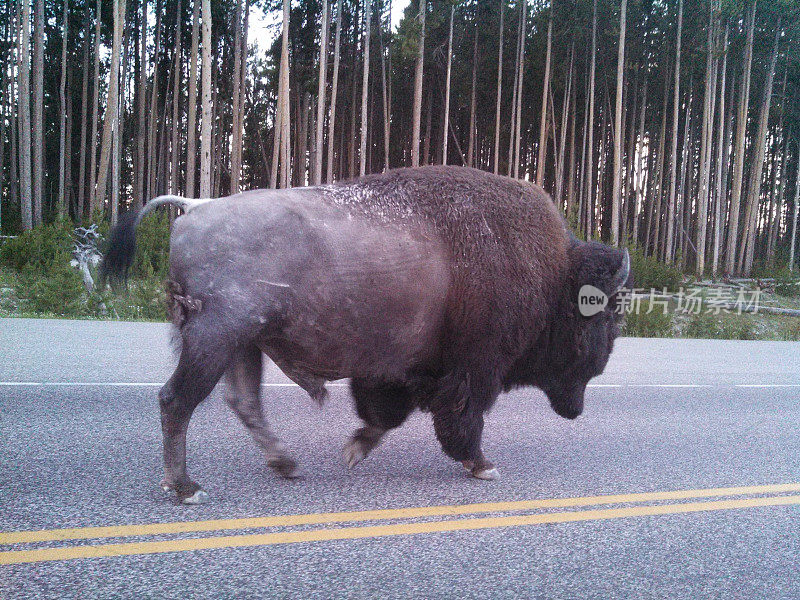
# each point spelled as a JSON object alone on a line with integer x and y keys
{"x": 567, "y": 401}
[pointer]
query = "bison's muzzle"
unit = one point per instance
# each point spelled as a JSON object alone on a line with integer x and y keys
{"x": 567, "y": 404}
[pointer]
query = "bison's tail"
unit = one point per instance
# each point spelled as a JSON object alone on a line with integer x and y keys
{"x": 122, "y": 245}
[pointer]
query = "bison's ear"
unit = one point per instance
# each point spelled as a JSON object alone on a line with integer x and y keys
{"x": 606, "y": 268}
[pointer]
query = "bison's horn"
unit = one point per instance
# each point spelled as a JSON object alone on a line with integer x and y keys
{"x": 622, "y": 274}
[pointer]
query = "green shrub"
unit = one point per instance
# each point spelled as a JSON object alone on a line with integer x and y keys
{"x": 59, "y": 291}
{"x": 722, "y": 327}
{"x": 649, "y": 273}
{"x": 40, "y": 249}
{"x": 44, "y": 282}
{"x": 792, "y": 331}
{"x": 655, "y": 324}
{"x": 787, "y": 283}
{"x": 142, "y": 300}
{"x": 148, "y": 300}
{"x": 702, "y": 326}
{"x": 152, "y": 246}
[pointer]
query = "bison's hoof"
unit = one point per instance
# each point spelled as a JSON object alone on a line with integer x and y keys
{"x": 167, "y": 487}
{"x": 490, "y": 474}
{"x": 199, "y": 497}
{"x": 354, "y": 453}
{"x": 285, "y": 466}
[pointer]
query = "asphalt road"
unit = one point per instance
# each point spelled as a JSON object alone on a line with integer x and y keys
{"x": 80, "y": 448}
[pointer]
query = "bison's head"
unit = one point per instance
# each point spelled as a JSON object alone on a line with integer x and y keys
{"x": 574, "y": 348}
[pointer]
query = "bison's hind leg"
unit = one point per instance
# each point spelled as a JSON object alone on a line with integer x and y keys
{"x": 243, "y": 395}
{"x": 382, "y": 406}
{"x": 203, "y": 359}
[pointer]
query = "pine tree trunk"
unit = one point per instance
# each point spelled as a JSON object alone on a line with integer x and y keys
{"x": 671, "y": 205}
{"x": 277, "y": 146}
{"x": 657, "y": 189}
{"x": 739, "y": 152}
{"x": 82, "y": 192}
{"x": 472, "y": 101}
{"x": 141, "y": 108}
{"x": 499, "y": 94}
{"x": 119, "y": 133}
{"x": 301, "y": 139}
{"x": 775, "y": 222}
{"x": 793, "y": 241}
{"x": 38, "y": 109}
{"x": 631, "y": 100}
{"x": 238, "y": 119}
{"x": 521, "y": 67}
{"x": 110, "y": 119}
{"x": 514, "y": 116}
{"x": 95, "y": 112}
{"x": 321, "y": 90}
{"x": 362, "y": 156}
{"x": 616, "y": 194}
{"x": 334, "y": 92}
{"x": 602, "y": 218}
{"x": 721, "y": 154}
{"x": 14, "y": 39}
{"x": 639, "y": 169}
{"x": 69, "y": 186}
{"x": 747, "y": 249}
{"x": 5, "y": 95}
{"x": 682, "y": 233}
{"x": 709, "y": 97}
{"x": 446, "y": 120}
{"x": 62, "y": 119}
{"x": 285, "y": 119}
{"x": 351, "y": 150}
{"x": 205, "y": 128}
{"x": 236, "y": 169}
{"x": 571, "y": 167}
{"x": 152, "y": 136}
{"x": 280, "y": 141}
{"x": 24, "y": 70}
{"x": 418, "y": 75}
{"x": 386, "y": 95}
{"x": 174, "y": 179}
{"x": 540, "y": 161}
{"x": 426, "y": 142}
{"x": 589, "y": 170}
{"x": 562, "y": 146}
{"x": 191, "y": 120}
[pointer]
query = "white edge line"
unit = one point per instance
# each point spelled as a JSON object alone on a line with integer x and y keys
{"x": 767, "y": 385}
{"x": 671, "y": 385}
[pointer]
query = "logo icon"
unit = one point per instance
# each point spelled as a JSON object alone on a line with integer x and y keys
{"x": 591, "y": 300}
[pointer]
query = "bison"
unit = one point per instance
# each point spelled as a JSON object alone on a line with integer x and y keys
{"x": 433, "y": 288}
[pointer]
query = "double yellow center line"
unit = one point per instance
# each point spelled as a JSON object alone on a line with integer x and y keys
{"x": 348, "y": 533}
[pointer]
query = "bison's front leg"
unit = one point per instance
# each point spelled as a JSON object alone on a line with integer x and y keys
{"x": 382, "y": 406}
{"x": 459, "y": 431}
